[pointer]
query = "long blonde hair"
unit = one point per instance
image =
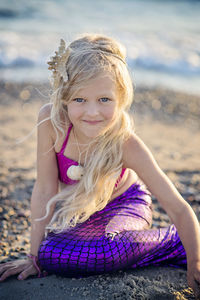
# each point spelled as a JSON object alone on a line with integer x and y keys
{"x": 88, "y": 57}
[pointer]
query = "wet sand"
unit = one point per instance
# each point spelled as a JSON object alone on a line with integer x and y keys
{"x": 169, "y": 124}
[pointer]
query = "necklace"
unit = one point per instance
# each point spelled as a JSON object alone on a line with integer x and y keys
{"x": 76, "y": 172}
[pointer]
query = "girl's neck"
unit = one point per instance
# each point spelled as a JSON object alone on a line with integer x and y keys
{"x": 84, "y": 146}
{"x": 83, "y": 141}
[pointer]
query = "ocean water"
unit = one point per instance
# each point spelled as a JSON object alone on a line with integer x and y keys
{"x": 162, "y": 37}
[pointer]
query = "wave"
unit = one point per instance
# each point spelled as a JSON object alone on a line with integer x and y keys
{"x": 17, "y": 62}
{"x": 8, "y": 13}
{"x": 161, "y": 37}
{"x": 179, "y": 66}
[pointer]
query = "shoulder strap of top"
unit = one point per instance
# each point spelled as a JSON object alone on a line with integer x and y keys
{"x": 66, "y": 139}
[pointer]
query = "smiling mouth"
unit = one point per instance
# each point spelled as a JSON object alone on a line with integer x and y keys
{"x": 92, "y": 122}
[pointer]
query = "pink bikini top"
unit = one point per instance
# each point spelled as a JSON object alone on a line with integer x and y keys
{"x": 64, "y": 163}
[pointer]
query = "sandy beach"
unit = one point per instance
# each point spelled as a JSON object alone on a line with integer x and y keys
{"x": 169, "y": 124}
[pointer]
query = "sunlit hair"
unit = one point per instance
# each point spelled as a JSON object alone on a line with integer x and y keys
{"x": 91, "y": 56}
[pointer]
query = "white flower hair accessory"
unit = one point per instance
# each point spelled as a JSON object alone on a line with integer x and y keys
{"x": 58, "y": 64}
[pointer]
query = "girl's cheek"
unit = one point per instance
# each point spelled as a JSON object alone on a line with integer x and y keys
{"x": 113, "y": 113}
{"x": 73, "y": 111}
{"x": 110, "y": 110}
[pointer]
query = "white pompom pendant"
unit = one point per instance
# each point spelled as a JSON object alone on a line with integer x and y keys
{"x": 75, "y": 172}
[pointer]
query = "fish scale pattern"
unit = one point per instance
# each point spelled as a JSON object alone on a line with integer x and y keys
{"x": 117, "y": 237}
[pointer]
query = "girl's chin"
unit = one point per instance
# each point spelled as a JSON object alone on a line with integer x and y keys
{"x": 92, "y": 134}
{"x": 91, "y": 131}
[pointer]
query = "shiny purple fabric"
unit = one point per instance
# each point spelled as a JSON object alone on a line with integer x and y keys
{"x": 117, "y": 237}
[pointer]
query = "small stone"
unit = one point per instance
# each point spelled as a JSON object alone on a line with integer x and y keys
{"x": 156, "y": 215}
{"x": 5, "y": 252}
{"x": 17, "y": 238}
{"x": 13, "y": 255}
{"x": 6, "y": 217}
{"x": 21, "y": 214}
{"x": 14, "y": 227}
{"x": 191, "y": 198}
{"x": 4, "y": 224}
{"x": 20, "y": 227}
{"x": 26, "y": 241}
{"x": 17, "y": 249}
{"x": 163, "y": 224}
{"x": 24, "y": 222}
{"x": 11, "y": 213}
{"x": 4, "y": 259}
{"x": 4, "y": 192}
{"x": 3, "y": 245}
{"x": 11, "y": 238}
{"x": 5, "y": 234}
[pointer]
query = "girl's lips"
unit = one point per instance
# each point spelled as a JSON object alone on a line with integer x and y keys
{"x": 92, "y": 122}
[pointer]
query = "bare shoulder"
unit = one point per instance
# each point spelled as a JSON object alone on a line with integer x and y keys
{"x": 44, "y": 112}
{"x": 47, "y": 170}
{"x": 134, "y": 144}
{"x": 44, "y": 120}
{"x": 135, "y": 152}
{"x": 45, "y": 125}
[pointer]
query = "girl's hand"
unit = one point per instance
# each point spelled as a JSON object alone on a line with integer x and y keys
{"x": 193, "y": 277}
{"x": 23, "y": 266}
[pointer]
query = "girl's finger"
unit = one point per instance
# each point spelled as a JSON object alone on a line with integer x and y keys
{"x": 12, "y": 268}
{"x": 5, "y": 270}
{"x": 9, "y": 272}
{"x": 2, "y": 269}
{"x": 29, "y": 271}
{"x": 5, "y": 266}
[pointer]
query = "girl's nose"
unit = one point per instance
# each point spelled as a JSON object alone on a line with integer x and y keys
{"x": 92, "y": 109}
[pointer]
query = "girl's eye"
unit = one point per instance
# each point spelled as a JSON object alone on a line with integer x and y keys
{"x": 104, "y": 100}
{"x": 79, "y": 100}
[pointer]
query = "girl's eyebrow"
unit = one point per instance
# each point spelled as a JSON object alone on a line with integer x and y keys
{"x": 104, "y": 95}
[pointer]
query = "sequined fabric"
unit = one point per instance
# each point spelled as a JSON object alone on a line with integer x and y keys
{"x": 117, "y": 237}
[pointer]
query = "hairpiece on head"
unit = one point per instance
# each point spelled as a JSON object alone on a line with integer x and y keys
{"x": 58, "y": 64}
{"x": 110, "y": 53}
{"x": 117, "y": 56}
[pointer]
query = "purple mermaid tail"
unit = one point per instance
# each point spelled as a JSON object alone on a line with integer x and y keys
{"x": 117, "y": 237}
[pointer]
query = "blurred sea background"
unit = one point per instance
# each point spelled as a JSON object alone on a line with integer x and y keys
{"x": 162, "y": 37}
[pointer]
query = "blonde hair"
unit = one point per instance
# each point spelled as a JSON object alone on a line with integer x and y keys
{"x": 88, "y": 57}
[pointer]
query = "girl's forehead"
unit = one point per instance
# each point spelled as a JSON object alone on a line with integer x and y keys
{"x": 102, "y": 81}
{"x": 100, "y": 86}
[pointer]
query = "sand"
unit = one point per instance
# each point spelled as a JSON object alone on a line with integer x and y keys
{"x": 169, "y": 124}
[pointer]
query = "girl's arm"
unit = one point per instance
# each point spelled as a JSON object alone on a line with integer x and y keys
{"x": 46, "y": 185}
{"x": 138, "y": 157}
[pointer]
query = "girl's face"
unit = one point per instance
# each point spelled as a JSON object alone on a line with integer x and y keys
{"x": 93, "y": 108}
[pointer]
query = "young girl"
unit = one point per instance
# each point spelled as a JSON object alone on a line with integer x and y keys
{"x": 90, "y": 208}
